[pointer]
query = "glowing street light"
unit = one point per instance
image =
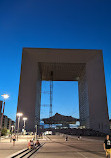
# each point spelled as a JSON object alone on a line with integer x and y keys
{"x": 12, "y": 128}
{"x": 24, "y": 119}
{"x": 19, "y": 115}
{"x": 5, "y": 96}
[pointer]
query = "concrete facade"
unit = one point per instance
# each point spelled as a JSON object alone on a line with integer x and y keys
{"x": 84, "y": 66}
{"x": 7, "y": 122}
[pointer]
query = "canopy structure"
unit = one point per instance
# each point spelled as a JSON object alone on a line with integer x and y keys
{"x": 60, "y": 119}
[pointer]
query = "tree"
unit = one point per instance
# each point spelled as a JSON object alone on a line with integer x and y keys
{"x": 4, "y": 132}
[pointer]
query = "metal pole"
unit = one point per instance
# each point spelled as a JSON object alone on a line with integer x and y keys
{"x": 36, "y": 131}
{"x": 18, "y": 127}
{"x": 24, "y": 125}
{"x": 18, "y": 123}
{"x": 12, "y": 129}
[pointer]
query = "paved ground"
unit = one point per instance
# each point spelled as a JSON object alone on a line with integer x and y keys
{"x": 7, "y": 148}
{"x": 58, "y": 148}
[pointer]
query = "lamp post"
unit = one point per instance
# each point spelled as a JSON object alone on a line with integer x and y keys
{"x": 12, "y": 128}
{"x": 19, "y": 115}
{"x": 5, "y": 96}
{"x": 24, "y": 119}
{"x": 36, "y": 132}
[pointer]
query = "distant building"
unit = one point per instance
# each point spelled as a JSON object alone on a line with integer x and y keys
{"x": 6, "y": 122}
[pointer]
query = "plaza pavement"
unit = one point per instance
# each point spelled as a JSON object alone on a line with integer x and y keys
{"x": 56, "y": 147}
{"x": 7, "y": 148}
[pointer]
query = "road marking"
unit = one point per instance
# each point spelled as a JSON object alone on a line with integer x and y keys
{"x": 82, "y": 155}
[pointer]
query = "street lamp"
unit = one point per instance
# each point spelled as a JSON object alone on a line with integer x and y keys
{"x": 19, "y": 115}
{"x": 24, "y": 119}
{"x": 5, "y": 96}
{"x": 12, "y": 128}
{"x": 36, "y": 132}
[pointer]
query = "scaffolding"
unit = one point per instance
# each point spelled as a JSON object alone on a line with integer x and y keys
{"x": 51, "y": 96}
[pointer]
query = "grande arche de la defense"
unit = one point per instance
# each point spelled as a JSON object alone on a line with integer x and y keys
{"x": 83, "y": 65}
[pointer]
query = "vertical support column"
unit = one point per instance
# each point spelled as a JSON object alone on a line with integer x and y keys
{"x": 83, "y": 100}
{"x": 98, "y": 109}
{"x": 28, "y": 90}
{"x": 38, "y": 99}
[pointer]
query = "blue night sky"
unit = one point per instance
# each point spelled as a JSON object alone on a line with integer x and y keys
{"x": 75, "y": 24}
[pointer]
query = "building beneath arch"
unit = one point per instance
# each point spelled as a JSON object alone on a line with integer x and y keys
{"x": 84, "y": 66}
